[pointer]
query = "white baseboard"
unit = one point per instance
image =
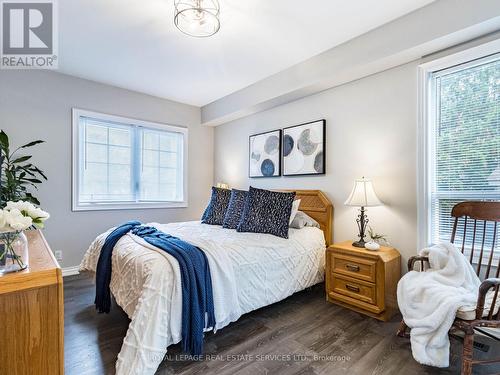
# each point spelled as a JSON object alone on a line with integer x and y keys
{"x": 70, "y": 271}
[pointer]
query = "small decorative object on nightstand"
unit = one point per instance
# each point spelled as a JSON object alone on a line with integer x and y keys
{"x": 362, "y": 280}
{"x": 375, "y": 240}
{"x": 372, "y": 245}
{"x": 362, "y": 195}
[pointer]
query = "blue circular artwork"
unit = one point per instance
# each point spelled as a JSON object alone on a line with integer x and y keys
{"x": 287, "y": 145}
{"x": 267, "y": 168}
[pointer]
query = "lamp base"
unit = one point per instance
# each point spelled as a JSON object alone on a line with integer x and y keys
{"x": 359, "y": 243}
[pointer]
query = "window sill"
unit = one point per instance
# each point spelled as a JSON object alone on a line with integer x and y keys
{"x": 127, "y": 206}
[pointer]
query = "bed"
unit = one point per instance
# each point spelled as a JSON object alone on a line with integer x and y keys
{"x": 248, "y": 270}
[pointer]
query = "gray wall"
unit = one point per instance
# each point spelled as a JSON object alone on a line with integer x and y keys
{"x": 37, "y": 105}
{"x": 371, "y": 131}
{"x": 420, "y": 33}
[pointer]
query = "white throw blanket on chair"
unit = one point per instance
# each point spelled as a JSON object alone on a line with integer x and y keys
{"x": 429, "y": 301}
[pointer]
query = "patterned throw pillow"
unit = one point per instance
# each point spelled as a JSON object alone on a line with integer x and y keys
{"x": 235, "y": 208}
{"x": 267, "y": 212}
{"x": 216, "y": 209}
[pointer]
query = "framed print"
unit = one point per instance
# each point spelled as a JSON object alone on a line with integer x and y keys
{"x": 264, "y": 154}
{"x": 304, "y": 148}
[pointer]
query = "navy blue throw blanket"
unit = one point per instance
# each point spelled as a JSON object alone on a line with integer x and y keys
{"x": 197, "y": 296}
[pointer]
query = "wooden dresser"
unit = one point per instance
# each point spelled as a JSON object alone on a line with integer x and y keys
{"x": 363, "y": 280}
{"x": 32, "y": 315}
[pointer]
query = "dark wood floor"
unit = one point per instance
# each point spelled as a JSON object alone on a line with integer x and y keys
{"x": 301, "y": 335}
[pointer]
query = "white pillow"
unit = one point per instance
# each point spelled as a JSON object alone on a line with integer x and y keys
{"x": 302, "y": 220}
{"x": 295, "y": 209}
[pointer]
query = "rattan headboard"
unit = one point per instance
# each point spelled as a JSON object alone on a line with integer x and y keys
{"x": 318, "y": 206}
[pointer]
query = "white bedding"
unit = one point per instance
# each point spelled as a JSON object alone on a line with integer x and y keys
{"x": 249, "y": 271}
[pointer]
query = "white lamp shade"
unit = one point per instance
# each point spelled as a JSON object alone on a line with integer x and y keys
{"x": 363, "y": 195}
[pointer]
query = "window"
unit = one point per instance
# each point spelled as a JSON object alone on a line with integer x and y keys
{"x": 124, "y": 163}
{"x": 462, "y": 136}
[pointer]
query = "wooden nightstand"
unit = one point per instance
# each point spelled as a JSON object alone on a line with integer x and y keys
{"x": 363, "y": 280}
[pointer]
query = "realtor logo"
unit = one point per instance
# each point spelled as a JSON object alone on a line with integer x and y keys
{"x": 28, "y": 35}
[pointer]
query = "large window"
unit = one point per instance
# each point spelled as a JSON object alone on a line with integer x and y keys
{"x": 463, "y": 140}
{"x": 125, "y": 163}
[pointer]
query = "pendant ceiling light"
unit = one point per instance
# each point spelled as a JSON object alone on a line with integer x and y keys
{"x": 198, "y": 18}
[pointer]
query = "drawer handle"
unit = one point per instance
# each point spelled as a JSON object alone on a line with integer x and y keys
{"x": 352, "y": 288}
{"x": 352, "y": 267}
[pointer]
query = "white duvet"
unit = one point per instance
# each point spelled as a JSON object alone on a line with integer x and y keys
{"x": 248, "y": 270}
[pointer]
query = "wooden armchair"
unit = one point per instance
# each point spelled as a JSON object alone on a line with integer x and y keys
{"x": 485, "y": 215}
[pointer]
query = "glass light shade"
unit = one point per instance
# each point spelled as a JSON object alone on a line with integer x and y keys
{"x": 198, "y": 18}
{"x": 363, "y": 195}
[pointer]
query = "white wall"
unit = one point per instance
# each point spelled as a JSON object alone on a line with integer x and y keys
{"x": 371, "y": 131}
{"x": 37, "y": 105}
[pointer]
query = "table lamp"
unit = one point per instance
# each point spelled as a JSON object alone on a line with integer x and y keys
{"x": 362, "y": 195}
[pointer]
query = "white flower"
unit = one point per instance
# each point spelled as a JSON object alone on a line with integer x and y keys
{"x": 24, "y": 222}
{"x": 16, "y": 220}
{"x": 20, "y": 205}
{"x": 21, "y": 215}
{"x": 2, "y": 220}
{"x": 38, "y": 213}
{"x": 11, "y": 205}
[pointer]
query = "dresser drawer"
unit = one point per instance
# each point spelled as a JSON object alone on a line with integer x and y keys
{"x": 356, "y": 289}
{"x": 356, "y": 267}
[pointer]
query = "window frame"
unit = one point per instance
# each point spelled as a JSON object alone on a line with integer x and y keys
{"x": 76, "y": 154}
{"x": 426, "y": 125}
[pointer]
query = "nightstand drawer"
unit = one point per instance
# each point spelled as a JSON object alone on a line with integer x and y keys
{"x": 357, "y": 267}
{"x": 357, "y": 289}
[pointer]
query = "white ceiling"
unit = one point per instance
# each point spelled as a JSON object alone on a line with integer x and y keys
{"x": 134, "y": 44}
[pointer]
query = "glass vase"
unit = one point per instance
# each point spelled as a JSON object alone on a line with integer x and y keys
{"x": 13, "y": 252}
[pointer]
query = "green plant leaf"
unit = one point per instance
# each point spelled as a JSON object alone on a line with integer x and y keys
{"x": 4, "y": 142}
{"x": 41, "y": 173}
{"x": 32, "y": 143}
{"x": 30, "y": 198}
{"x": 22, "y": 159}
{"x": 18, "y": 177}
{"x": 33, "y": 180}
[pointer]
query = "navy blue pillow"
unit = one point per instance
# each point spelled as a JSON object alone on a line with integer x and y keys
{"x": 235, "y": 208}
{"x": 267, "y": 212}
{"x": 216, "y": 209}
